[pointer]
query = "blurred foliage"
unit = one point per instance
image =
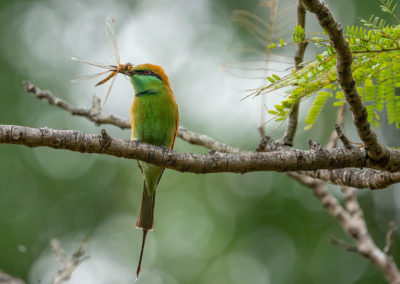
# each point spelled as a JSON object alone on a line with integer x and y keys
{"x": 217, "y": 228}
{"x": 376, "y": 70}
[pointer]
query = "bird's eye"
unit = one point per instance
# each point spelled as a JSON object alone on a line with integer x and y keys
{"x": 147, "y": 72}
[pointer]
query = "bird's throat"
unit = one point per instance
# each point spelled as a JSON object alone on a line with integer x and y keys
{"x": 145, "y": 93}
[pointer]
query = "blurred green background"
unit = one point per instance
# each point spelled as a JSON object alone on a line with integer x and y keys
{"x": 215, "y": 228}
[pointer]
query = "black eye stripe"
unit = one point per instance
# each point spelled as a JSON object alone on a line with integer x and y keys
{"x": 148, "y": 72}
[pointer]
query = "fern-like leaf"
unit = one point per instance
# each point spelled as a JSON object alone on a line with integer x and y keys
{"x": 316, "y": 108}
{"x": 376, "y": 70}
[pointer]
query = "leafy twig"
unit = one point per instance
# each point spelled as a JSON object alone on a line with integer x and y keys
{"x": 298, "y": 59}
{"x": 375, "y": 150}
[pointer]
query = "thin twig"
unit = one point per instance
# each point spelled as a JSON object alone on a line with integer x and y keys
{"x": 94, "y": 114}
{"x": 69, "y": 265}
{"x": 346, "y": 142}
{"x": 273, "y": 18}
{"x": 298, "y": 60}
{"x": 208, "y": 142}
{"x": 345, "y": 245}
{"x": 389, "y": 238}
{"x": 340, "y": 122}
{"x": 7, "y": 279}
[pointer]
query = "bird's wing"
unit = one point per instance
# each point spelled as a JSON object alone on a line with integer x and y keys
{"x": 176, "y": 128}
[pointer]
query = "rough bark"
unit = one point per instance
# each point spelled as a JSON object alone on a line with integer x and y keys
{"x": 378, "y": 153}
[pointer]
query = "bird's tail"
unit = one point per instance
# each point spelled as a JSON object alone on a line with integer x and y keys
{"x": 145, "y": 220}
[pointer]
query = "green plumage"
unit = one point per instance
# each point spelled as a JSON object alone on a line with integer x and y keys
{"x": 154, "y": 120}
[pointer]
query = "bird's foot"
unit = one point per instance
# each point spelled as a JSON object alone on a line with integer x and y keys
{"x": 164, "y": 147}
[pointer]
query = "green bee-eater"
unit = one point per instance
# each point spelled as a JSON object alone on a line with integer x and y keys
{"x": 154, "y": 120}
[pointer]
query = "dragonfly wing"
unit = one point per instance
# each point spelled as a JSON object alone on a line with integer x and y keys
{"x": 100, "y": 65}
{"x": 112, "y": 39}
{"x": 109, "y": 88}
{"x": 88, "y": 77}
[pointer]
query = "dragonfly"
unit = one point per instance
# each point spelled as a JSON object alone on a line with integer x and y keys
{"x": 112, "y": 70}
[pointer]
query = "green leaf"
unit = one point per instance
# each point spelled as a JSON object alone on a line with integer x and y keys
{"x": 276, "y": 77}
{"x": 376, "y": 70}
{"x": 316, "y": 108}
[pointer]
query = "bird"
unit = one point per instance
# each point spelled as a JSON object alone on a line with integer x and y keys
{"x": 154, "y": 120}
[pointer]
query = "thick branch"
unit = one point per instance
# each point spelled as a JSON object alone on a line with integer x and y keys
{"x": 376, "y": 151}
{"x": 366, "y": 178}
{"x": 203, "y": 140}
{"x": 217, "y": 162}
{"x": 280, "y": 161}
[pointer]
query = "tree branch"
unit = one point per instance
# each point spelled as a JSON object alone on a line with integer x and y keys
{"x": 365, "y": 178}
{"x": 352, "y": 221}
{"x": 377, "y": 152}
{"x": 358, "y": 178}
{"x": 324, "y": 164}
{"x": 389, "y": 238}
{"x": 298, "y": 59}
{"x": 321, "y": 192}
{"x": 94, "y": 114}
{"x": 69, "y": 265}
{"x": 207, "y": 142}
{"x": 281, "y": 161}
{"x": 7, "y": 279}
{"x": 344, "y": 245}
{"x": 356, "y": 227}
{"x": 267, "y": 144}
{"x": 339, "y": 125}
{"x": 185, "y": 162}
{"x": 346, "y": 142}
